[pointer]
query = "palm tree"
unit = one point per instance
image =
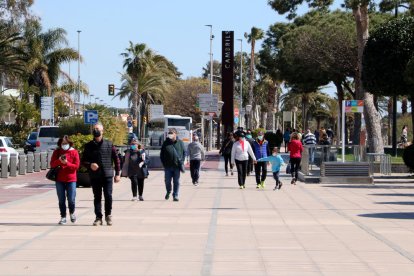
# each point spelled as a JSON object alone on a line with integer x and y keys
{"x": 147, "y": 76}
{"x": 255, "y": 34}
{"x": 46, "y": 55}
{"x": 12, "y": 57}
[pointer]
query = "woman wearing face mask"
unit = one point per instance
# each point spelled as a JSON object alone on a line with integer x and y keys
{"x": 240, "y": 155}
{"x": 67, "y": 158}
{"x": 133, "y": 163}
{"x": 226, "y": 152}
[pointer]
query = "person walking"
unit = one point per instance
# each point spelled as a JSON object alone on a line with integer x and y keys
{"x": 100, "y": 157}
{"x": 196, "y": 153}
{"x": 295, "y": 149}
{"x": 276, "y": 160}
{"x": 172, "y": 158}
{"x": 134, "y": 164}
{"x": 286, "y": 138}
{"x": 309, "y": 140}
{"x": 249, "y": 138}
{"x": 225, "y": 150}
{"x": 67, "y": 158}
{"x": 261, "y": 150}
{"x": 404, "y": 136}
{"x": 279, "y": 138}
{"x": 240, "y": 155}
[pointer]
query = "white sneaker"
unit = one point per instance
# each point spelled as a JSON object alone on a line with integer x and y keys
{"x": 134, "y": 198}
{"x": 62, "y": 221}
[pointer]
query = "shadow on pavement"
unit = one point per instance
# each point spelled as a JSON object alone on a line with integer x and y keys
{"x": 389, "y": 215}
{"x": 396, "y": 194}
{"x": 42, "y": 224}
{"x": 369, "y": 186}
{"x": 397, "y": 202}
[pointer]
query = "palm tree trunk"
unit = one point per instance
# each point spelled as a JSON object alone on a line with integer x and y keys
{"x": 251, "y": 83}
{"x": 340, "y": 93}
{"x": 372, "y": 118}
{"x": 404, "y": 105}
{"x": 271, "y": 104}
{"x": 390, "y": 115}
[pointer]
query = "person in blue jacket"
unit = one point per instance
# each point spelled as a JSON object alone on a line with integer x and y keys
{"x": 261, "y": 149}
{"x": 276, "y": 160}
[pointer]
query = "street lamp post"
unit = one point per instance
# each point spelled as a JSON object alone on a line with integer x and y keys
{"x": 90, "y": 98}
{"x": 78, "y": 94}
{"x": 210, "y": 140}
{"x": 248, "y": 110}
{"x": 241, "y": 81}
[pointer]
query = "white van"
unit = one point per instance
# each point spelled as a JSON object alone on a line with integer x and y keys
{"x": 47, "y": 138}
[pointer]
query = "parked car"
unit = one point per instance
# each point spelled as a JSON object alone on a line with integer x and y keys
{"x": 47, "y": 138}
{"x": 30, "y": 144}
{"x": 7, "y": 147}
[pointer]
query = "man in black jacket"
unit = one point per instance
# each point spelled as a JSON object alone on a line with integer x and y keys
{"x": 172, "y": 158}
{"x": 99, "y": 156}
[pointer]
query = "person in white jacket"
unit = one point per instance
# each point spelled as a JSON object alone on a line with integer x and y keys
{"x": 240, "y": 155}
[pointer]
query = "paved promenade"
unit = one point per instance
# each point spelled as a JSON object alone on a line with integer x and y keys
{"x": 215, "y": 229}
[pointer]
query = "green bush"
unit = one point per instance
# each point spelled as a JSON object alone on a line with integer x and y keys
{"x": 79, "y": 142}
{"x": 18, "y": 133}
{"x": 74, "y": 125}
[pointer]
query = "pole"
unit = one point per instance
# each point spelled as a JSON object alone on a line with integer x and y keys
{"x": 241, "y": 82}
{"x": 343, "y": 130}
{"x": 210, "y": 140}
{"x": 78, "y": 94}
{"x": 202, "y": 130}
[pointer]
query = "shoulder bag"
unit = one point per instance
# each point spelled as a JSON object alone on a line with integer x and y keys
{"x": 180, "y": 162}
{"x": 52, "y": 173}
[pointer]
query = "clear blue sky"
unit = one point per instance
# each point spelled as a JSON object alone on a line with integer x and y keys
{"x": 174, "y": 29}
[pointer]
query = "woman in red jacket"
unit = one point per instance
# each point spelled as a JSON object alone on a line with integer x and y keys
{"x": 67, "y": 158}
{"x": 295, "y": 148}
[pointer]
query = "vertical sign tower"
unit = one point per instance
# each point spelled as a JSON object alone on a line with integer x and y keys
{"x": 227, "y": 85}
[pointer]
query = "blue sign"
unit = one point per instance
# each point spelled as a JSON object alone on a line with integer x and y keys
{"x": 129, "y": 123}
{"x": 236, "y": 120}
{"x": 90, "y": 117}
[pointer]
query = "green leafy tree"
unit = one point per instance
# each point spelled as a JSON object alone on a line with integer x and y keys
{"x": 387, "y": 58}
{"x": 12, "y": 56}
{"x": 360, "y": 10}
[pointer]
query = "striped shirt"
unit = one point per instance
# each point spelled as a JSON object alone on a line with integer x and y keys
{"x": 309, "y": 139}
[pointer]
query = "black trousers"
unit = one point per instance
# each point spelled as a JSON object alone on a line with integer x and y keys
{"x": 137, "y": 183}
{"x": 195, "y": 170}
{"x": 104, "y": 183}
{"x": 261, "y": 170}
{"x": 294, "y": 167}
{"x": 250, "y": 165}
{"x": 241, "y": 171}
{"x": 227, "y": 158}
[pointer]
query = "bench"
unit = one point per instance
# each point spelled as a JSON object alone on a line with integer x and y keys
{"x": 348, "y": 172}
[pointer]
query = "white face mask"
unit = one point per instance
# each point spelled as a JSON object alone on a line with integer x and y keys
{"x": 274, "y": 154}
{"x": 65, "y": 147}
{"x": 171, "y": 136}
{"x": 260, "y": 137}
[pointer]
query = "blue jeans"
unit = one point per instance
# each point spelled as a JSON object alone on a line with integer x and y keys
{"x": 63, "y": 189}
{"x": 174, "y": 174}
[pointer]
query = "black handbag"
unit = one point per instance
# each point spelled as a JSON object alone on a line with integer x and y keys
{"x": 52, "y": 173}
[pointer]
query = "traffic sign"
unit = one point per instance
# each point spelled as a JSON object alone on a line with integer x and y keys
{"x": 46, "y": 108}
{"x": 156, "y": 111}
{"x": 236, "y": 112}
{"x": 212, "y": 114}
{"x": 354, "y": 106}
{"x": 236, "y": 120}
{"x": 90, "y": 117}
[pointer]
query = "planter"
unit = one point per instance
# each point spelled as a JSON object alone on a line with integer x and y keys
{"x": 83, "y": 179}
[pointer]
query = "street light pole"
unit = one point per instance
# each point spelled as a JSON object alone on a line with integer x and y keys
{"x": 241, "y": 81}
{"x": 211, "y": 86}
{"x": 78, "y": 94}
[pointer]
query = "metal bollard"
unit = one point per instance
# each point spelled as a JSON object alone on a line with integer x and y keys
{"x": 22, "y": 164}
{"x": 43, "y": 160}
{"x": 30, "y": 163}
{"x": 49, "y": 158}
{"x": 4, "y": 166}
{"x": 13, "y": 164}
{"x": 37, "y": 162}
